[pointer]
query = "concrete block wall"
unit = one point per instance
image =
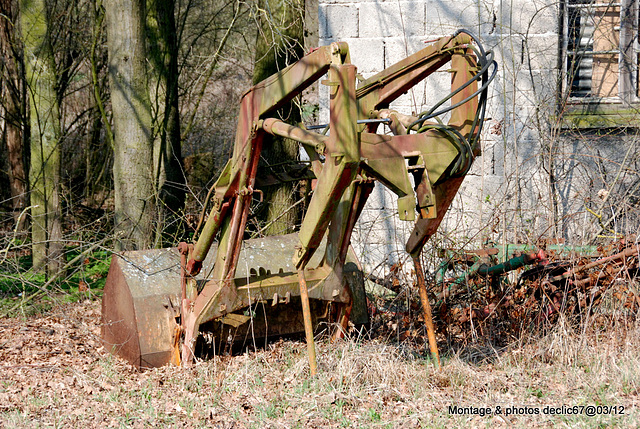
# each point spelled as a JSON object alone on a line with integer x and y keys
{"x": 506, "y": 196}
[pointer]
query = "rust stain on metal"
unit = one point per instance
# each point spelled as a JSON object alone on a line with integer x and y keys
{"x": 310, "y": 264}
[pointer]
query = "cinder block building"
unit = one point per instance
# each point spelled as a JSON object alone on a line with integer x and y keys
{"x": 560, "y": 143}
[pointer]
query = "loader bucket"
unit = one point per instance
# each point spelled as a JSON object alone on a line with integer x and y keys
{"x": 141, "y": 300}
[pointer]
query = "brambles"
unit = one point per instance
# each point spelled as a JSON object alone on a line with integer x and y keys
{"x": 580, "y": 285}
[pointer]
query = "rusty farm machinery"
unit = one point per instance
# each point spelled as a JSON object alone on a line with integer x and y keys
{"x": 157, "y": 302}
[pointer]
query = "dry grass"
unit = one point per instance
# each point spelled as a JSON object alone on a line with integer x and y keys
{"x": 57, "y": 379}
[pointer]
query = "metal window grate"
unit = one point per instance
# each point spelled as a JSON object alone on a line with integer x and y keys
{"x": 588, "y": 5}
{"x": 592, "y": 49}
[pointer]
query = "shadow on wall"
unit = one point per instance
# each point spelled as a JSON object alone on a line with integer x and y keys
{"x": 535, "y": 180}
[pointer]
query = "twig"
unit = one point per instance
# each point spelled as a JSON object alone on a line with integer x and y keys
{"x": 15, "y": 232}
{"x": 43, "y": 288}
{"x": 279, "y": 216}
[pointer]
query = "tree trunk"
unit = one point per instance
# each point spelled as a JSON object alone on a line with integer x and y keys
{"x": 44, "y": 172}
{"x": 99, "y": 154}
{"x": 279, "y": 43}
{"x": 133, "y": 137}
{"x": 167, "y": 160}
{"x": 12, "y": 102}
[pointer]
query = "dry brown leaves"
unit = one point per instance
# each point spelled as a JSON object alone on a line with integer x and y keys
{"x": 51, "y": 356}
{"x": 529, "y": 301}
{"x": 53, "y": 372}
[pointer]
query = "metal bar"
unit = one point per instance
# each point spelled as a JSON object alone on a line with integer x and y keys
{"x": 278, "y": 89}
{"x": 381, "y": 89}
{"x": 264, "y": 97}
{"x": 511, "y": 264}
{"x": 632, "y": 251}
{"x": 360, "y": 121}
{"x": 426, "y": 308}
{"x": 589, "y": 53}
{"x": 592, "y": 5}
{"x": 235, "y": 239}
{"x": 205, "y": 240}
{"x": 317, "y": 127}
{"x": 344, "y": 314}
{"x": 462, "y": 118}
{"x": 482, "y": 267}
{"x": 627, "y": 64}
{"x": 341, "y": 167}
{"x": 282, "y": 129}
{"x": 308, "y": 326}
{"x": 461, "y": 279}
{"x": 399, "y": 121}
{"x": 354, "y": 213}
{"x": 183, "y": 248}
{"x": 229, "y": 246}
{"x": 504, "y": 251}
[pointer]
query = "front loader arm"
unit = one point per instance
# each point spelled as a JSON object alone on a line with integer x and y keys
{"x": 380, "y": 157}
{"x": 437, "y": 156}
{"x": 233, "y": 192}
{"x": 439, "y": 183}
{"x": 380, "y": 90}
{"x": 145, "y": 323}
{"x": 463, "y": 119}
{"x": 265, "y": 97}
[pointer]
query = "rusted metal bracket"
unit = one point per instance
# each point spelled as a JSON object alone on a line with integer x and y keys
{"x": 435, "y": 157}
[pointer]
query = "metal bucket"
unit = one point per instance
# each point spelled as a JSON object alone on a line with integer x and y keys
{"x": 141, "y": 300}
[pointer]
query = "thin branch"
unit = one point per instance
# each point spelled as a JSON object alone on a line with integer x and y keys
{"x": 97, "y": 31}
{"x": 212, "y": 67}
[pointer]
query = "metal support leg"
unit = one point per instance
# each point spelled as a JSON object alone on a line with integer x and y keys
{"x": 188, "y": 346}
{"x": 308, "y": 327}
{"x": 342, "y": 325}
{"x": 426, "y": 307}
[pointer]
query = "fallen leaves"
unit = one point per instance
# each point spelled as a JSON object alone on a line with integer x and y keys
{"x": 53, "y": 372}
{"x": 501, "y": 308}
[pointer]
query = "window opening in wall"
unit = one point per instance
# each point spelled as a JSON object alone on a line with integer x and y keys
{"x": 601, "y": 51}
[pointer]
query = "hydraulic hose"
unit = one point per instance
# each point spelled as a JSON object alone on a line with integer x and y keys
{"x": 486, "y": 74}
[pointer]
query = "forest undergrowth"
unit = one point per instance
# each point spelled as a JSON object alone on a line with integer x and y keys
{"x": 516, "y": 351}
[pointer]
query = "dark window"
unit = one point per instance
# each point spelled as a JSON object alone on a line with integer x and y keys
{"x": 601, "y": 55}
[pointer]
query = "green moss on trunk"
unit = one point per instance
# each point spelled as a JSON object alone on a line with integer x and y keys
{"x": 279, "y": 44}
{"x": 44, "y": 174}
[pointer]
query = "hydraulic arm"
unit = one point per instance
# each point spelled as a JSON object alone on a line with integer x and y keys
{"x": 423, "y": 162}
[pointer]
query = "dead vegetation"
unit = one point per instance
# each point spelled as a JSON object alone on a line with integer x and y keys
{"x": 54, "y": 373}
{"x": 475, "y": 301}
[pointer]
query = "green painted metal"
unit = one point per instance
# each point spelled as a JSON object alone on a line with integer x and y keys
{"x": 509, "y": 265}
{"x": 513, "y": 256}
{"x": 559, "y": 250}
{"x": 346, "y": 162}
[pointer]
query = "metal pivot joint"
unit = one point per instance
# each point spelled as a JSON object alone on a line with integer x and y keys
{"x": 423, "y": 162}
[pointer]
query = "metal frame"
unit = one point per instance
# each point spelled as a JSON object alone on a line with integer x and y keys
{"x": 346, "y": 164}
{"x": 627, "y": 52}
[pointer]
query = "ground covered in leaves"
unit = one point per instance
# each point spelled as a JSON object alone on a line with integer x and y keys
{"x": 54, "y": 373}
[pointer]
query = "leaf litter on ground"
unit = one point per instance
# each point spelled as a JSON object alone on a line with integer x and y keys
{"x": 54, "y": 372}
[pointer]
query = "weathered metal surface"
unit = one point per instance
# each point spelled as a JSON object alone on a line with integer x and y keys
{"x": 308, "y": 326}
{"x": 512, "y": 264}
{"x": 140, "y": 302}
{"x": 464, "y": 67}
{"x": 143, "y": 292}
{"x": 341, "y": 167}
{"x": 426, "y": 309}
{"x": 621, "y": 256}
{"x": 378, "y": 91}
{"x": 276, "y": 127}
{"x": 267, "y": 321}
{"x": 483, "y": 266}
{"x": 345, "y": 163}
